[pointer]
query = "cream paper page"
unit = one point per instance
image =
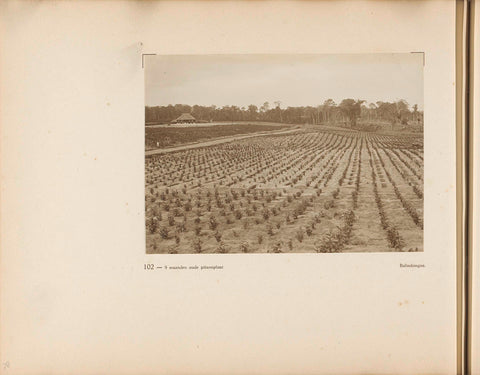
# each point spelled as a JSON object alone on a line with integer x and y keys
{"x": 75, "y": 295}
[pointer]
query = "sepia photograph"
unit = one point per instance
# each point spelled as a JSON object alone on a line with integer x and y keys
{"x": 284, "y": 153}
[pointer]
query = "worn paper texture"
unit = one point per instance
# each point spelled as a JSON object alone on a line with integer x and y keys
{"x": 74, "y": 293}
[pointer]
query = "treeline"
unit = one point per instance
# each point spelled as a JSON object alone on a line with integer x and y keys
{"x": 348, "y": 111}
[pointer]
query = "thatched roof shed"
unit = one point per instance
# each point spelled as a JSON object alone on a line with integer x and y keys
{"x": 184, "y": 118}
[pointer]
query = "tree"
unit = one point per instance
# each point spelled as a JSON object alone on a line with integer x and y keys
{"x": 372, "y": 111}
{"x": 387, "y": 111}
{"x": 252, "y": 112}
{"x": 278, "y": 110}
{"x": 402, "y": 111}
{"x": 415, "y": 112}
{"x": 310, "y": 113}
{"x": 351, "y": 109}
{"x": 328, "y": 105}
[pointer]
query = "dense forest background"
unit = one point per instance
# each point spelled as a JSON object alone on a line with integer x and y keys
{"x": 348, "y": 111}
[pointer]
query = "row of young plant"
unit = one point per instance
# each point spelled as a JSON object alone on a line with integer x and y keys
{"x": 407, "y": 206}
{"x": 315, "y": 173}
{"x": 393, "y": 236}
{"x": 331, "y": 242}
{"x": 335, "y": 240}
{"x": 235, "y": 163}
{"x": 416, "y": 189}
{"x": 271, "y": 226}
{"x": 356, "y": 192}
{"x": 281, "y": 170}
{"x": 324, "y": 172}
{"x": 196, "y": 206}
{"x": 258, "y": 166}
{"x": 305, "y": 172}
{"x": 219, "y": 166}
{"x": 298, "y": 170}
{"x": 315, "y": 177}
{"x": 412, "y": 157}
{"x": 190, "y": 164}
{"x": 417, "y": 172}
{"x": 252, "y": 212}
{"x": 404, "y": 141}
{"x": 416, "y": 153}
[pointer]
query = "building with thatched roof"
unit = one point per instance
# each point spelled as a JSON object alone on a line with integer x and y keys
{"x": 185, "y": 118}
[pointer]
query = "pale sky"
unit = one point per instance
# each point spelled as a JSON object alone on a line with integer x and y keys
{"x": 294, "y": 80}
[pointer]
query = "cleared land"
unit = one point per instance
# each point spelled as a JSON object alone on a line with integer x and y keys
{"x": 322, "y": 190}
{"x": 167, "y": 136}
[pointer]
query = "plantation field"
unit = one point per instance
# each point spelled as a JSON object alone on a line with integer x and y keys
{"x": 166, "y": 136}
{"x": 325, "y": 191}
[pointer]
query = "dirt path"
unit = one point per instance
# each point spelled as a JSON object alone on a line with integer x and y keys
{"x": 217, "y": 141}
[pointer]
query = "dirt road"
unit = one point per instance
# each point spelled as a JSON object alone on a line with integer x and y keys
{"x": 217, "y": 141}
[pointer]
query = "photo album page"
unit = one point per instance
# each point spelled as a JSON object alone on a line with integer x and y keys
{"x": 228, "y": 187}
